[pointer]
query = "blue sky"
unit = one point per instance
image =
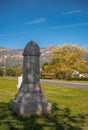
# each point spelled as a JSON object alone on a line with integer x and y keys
{"x": 47, "y": 22}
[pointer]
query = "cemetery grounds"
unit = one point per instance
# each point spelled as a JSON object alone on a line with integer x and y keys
{"x": 69, "y": 109}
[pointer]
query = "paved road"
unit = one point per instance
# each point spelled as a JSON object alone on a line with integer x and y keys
{"x": 61, "y": 83}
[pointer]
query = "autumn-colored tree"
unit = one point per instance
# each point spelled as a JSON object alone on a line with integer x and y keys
{"x": 18, "y": 71}
{"x": 45, "y": 70}
{"x": 65, "y": 59}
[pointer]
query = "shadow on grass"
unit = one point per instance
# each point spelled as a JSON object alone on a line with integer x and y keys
{"x": 60, "y": 119}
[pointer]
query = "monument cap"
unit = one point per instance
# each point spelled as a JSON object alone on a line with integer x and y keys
{"x": 31, "y": 49}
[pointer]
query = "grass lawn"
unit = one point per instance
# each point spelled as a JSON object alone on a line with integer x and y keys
{"x": 69, "y": 112}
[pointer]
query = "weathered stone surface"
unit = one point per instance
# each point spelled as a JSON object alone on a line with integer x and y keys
{"x": 30, "y": 99}
{"x": 31, "y": 49}
{"x": 32, "y": 108}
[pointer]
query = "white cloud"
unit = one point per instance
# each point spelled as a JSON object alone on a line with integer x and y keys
{"x": 72, "y": 12}
{"x": 36, "y": 21}
{"x": 17, "y": 33}
{"x": 69, "y": 25}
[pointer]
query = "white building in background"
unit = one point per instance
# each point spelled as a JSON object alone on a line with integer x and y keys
{"x": 83, "y": 75}
{"x": 77, "y": 74}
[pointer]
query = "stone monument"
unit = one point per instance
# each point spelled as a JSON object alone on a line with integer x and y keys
{"x": 30, "y": 99}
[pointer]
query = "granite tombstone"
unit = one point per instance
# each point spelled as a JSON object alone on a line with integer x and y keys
{"x": 30, "y": 99}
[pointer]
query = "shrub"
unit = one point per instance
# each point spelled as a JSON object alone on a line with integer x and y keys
{"x": 11, "y": 72}
{"x": 78, "y": 78}
{"x": 1, "y": 72}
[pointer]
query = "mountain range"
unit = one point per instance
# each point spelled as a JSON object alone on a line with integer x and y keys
{"x": 14, "y": 56}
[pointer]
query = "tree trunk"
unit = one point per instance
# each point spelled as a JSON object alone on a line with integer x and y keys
{"x": 64, "y": 75}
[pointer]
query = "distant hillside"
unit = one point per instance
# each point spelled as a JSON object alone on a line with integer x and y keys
{"x": 14, "y": 56}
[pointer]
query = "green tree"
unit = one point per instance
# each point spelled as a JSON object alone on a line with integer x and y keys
{"x": 65, "y": 59}
{"x": 1, "y": 71}
{"x": 10, "y": 72}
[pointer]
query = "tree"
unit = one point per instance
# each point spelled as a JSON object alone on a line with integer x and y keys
{"x": 65, "y": 59}
{"x": 11, "y": 72}
{"x": 45, "y": 71}
{"x": 1, "y": 71}
{"x": 18, "y": 71}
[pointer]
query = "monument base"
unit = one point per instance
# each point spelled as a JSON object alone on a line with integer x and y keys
{"x": 30, "y": 100}
{"x": 32, "y": 108}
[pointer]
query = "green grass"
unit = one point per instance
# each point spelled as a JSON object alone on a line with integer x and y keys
{"x": 69, "y": 112}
